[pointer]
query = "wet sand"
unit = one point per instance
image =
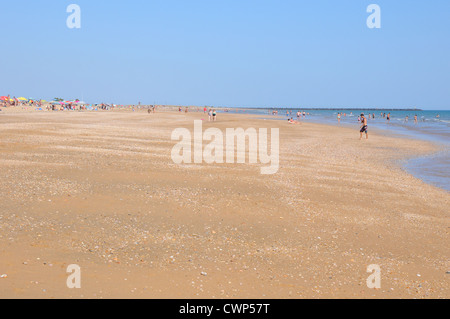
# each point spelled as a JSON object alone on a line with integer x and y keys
{"x": 100, "y": 190}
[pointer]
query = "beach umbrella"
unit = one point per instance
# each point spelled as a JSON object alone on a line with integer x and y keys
{"x": 22, "y": 99}
{"x": 4, "y": 98}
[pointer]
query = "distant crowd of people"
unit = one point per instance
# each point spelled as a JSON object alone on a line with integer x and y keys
{"x": 7, "y": 101}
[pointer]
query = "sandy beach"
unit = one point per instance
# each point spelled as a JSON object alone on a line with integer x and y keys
{"x": 99, "y": 189}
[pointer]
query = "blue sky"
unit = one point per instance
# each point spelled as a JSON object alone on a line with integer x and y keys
{"x": 229, "y": 53}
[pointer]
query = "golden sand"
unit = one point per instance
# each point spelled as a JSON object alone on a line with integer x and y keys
{"x": 100, "y": 190}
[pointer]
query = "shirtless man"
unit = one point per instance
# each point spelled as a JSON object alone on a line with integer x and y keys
{"x": 364, "y": 127}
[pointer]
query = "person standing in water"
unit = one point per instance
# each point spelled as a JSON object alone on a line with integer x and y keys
{"x": 364, "y": 127}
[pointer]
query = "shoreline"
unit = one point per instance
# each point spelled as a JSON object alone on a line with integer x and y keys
{"x": 99, "y": 190}
{"x": 428, "y": 161}
{"x": 441, "y": 146}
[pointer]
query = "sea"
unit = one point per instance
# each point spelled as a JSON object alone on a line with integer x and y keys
{"x": 432, "y": 126}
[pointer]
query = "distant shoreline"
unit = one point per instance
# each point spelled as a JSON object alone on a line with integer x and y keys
{"x": 324, "y": 109}
{"x": 119, "y": 106}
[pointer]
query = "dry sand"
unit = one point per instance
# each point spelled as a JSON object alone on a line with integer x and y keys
{"x": 100, "y": 190}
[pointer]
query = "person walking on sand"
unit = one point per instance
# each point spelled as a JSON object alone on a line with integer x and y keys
{"x": 210, "y": 114}
{"x": 214, "y": 115}
{"x": 339, "y": 118}
{"x": 364, "y": 127}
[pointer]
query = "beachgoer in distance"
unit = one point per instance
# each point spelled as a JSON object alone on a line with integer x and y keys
{"x": 364, "y": 127}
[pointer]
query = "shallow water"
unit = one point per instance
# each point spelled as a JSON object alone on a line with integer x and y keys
{"x": 432, "y": 169}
